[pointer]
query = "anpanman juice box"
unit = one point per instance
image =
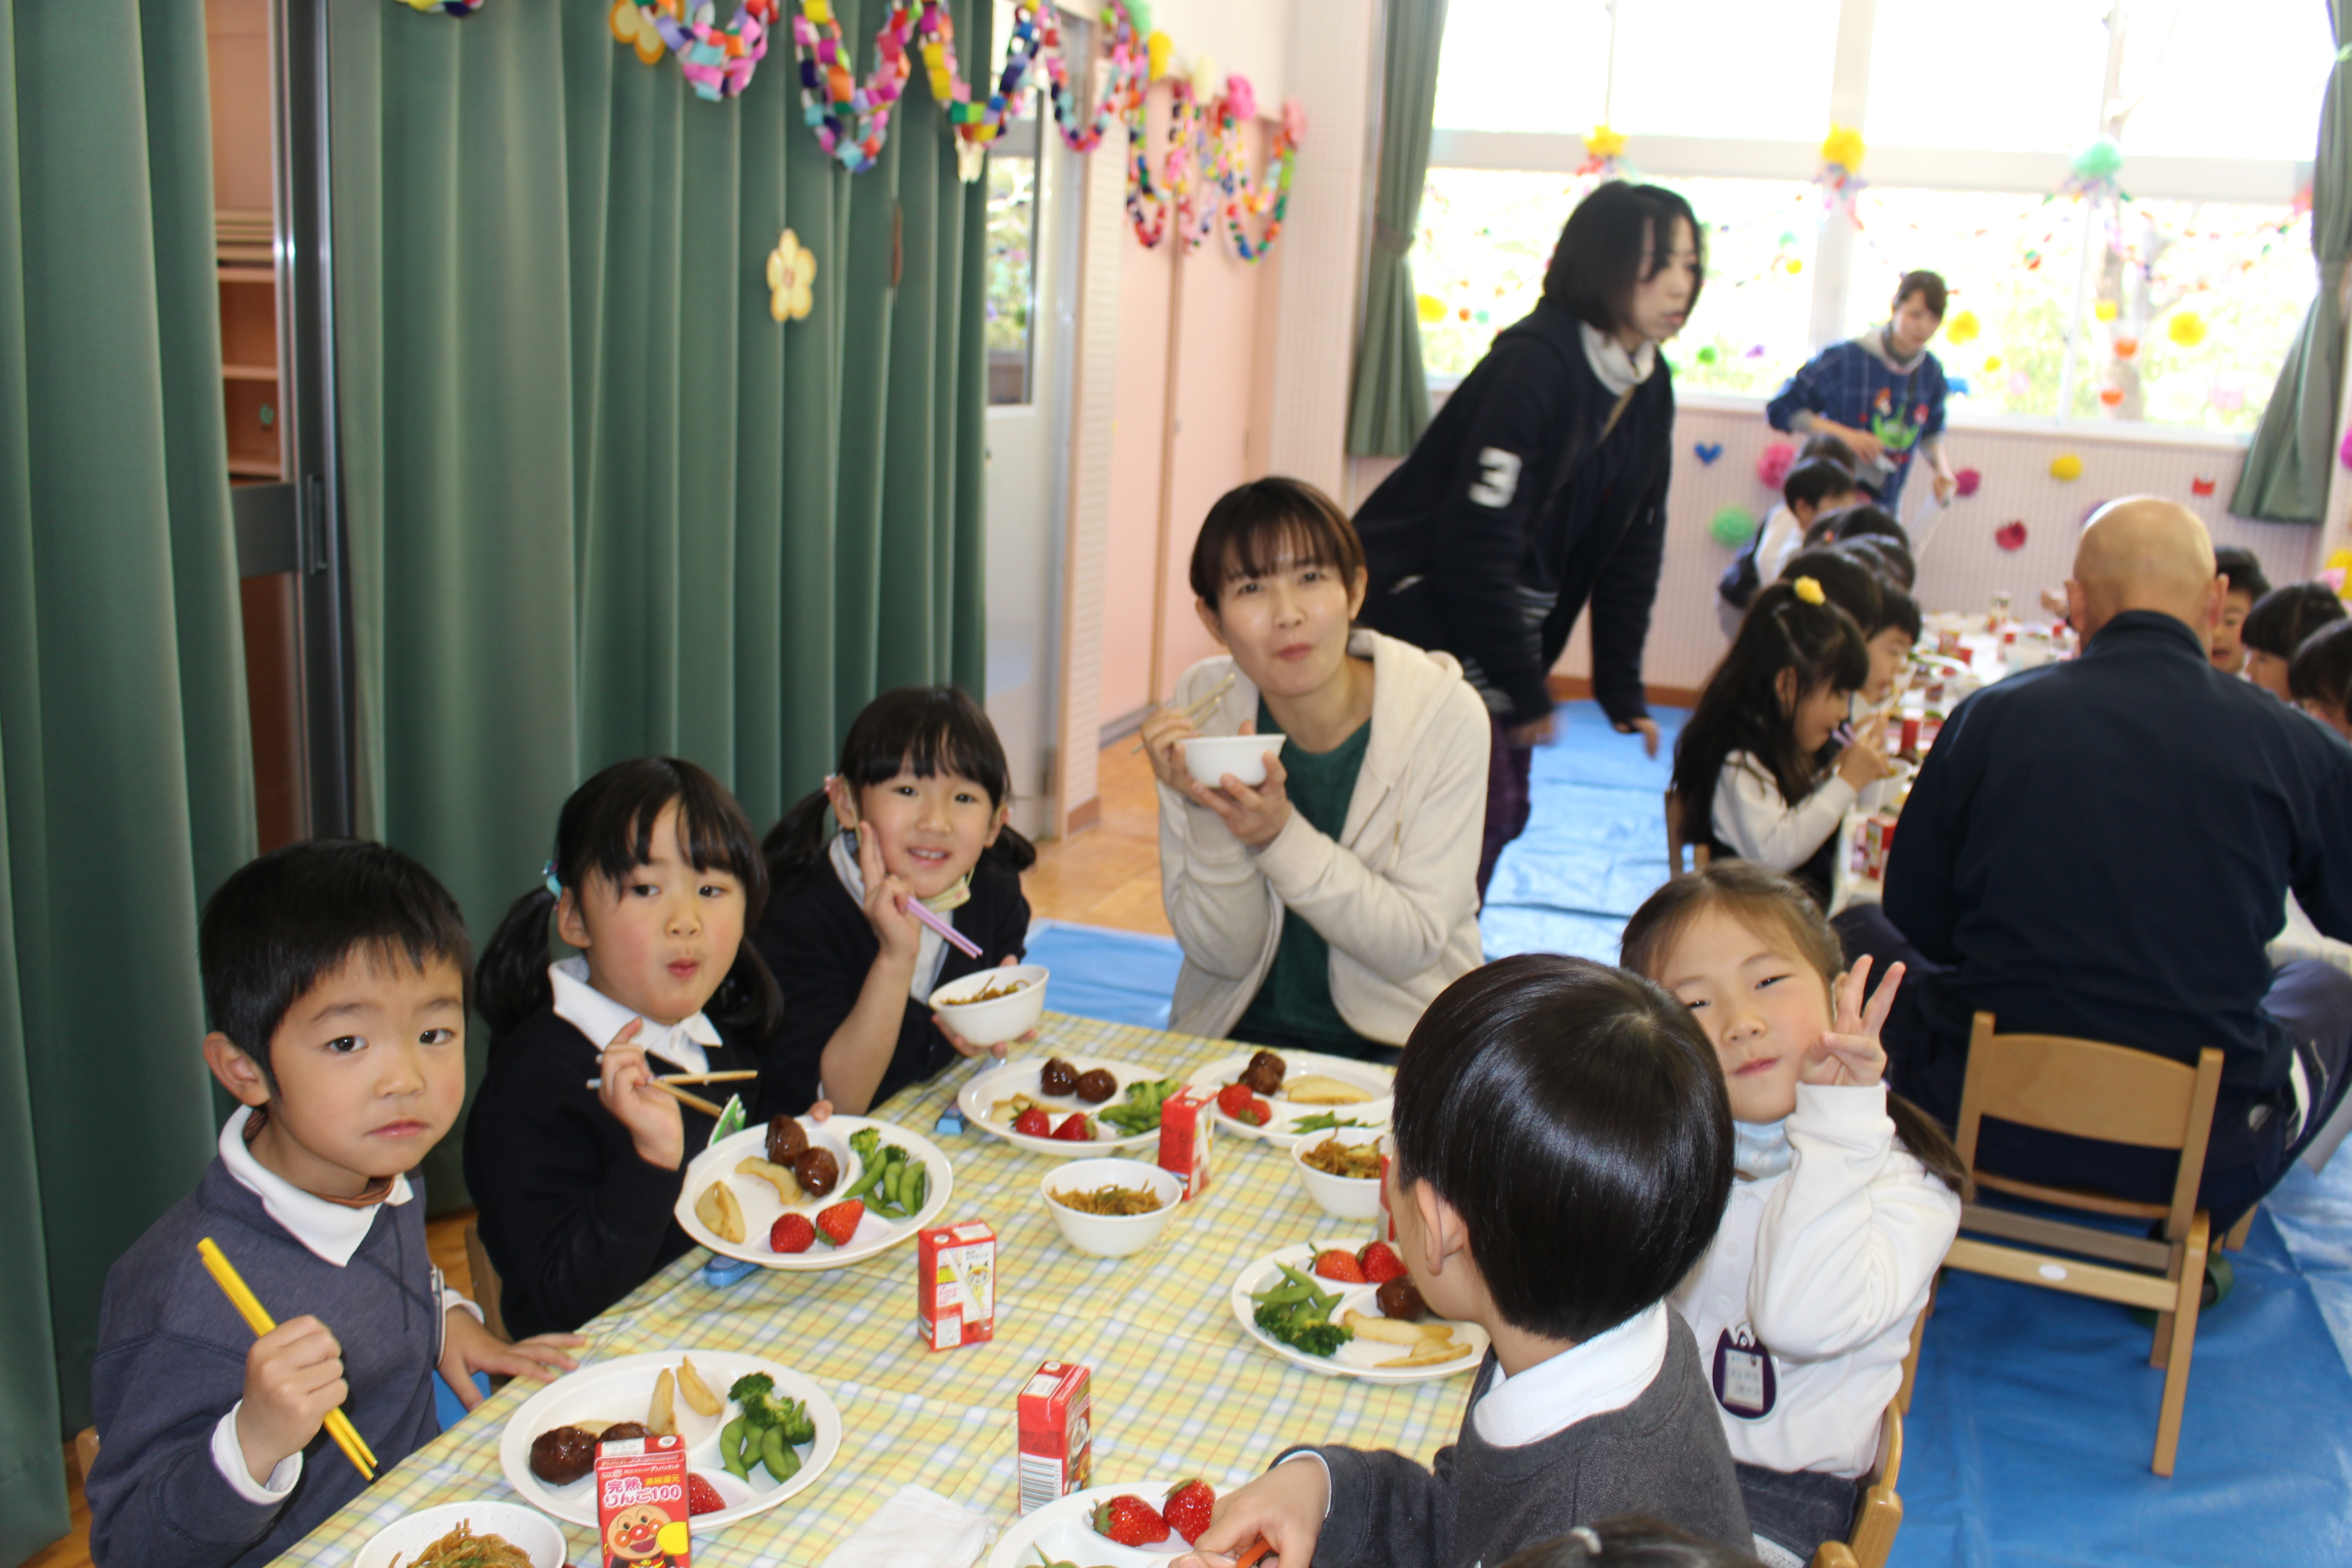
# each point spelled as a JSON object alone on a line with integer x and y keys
{"x": 1185, "y": 1124}
{"x": 642, "y": 1512}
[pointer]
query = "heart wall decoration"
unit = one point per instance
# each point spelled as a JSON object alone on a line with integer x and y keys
{"x": 2201, "y": 487}
{"x": 1709, "y": 451}
{"x": 2011, "y": 535}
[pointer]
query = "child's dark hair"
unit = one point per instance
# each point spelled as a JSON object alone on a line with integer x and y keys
{"x": 1823, "y": 444}
{"x": 2321, "y": 670}
{"x": 927, "y": 730}
{"x": 2237, "y": 563}
{"x": 282, "y": 923}
{"x": 1891, "y": 559}
{"x": 1575, "y": 1117}
{"x": 1741, "y": 708}
{"x": 1897, "y": 610}
{"x": 1255, "y": 527}
{"x": 1630, "y": 1541}
{"x": 1864, "y": 520}
{"x": 606, "y": 829}
{"x": 1849, "y": 584}
{"x": 1616, "y": 239}
{"x": 1928, "y": 286}
{"x": 2283, "y": 619}
{"x": 1813, "y": 480}
{"x": 1770, "y": 904}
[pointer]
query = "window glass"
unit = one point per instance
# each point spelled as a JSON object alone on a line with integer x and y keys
{"x": 1749, "y": 332}
{"x": 1487, "y": 236}
{"x": 1724, "y": 68}
{"x": 2000, "y": 76}
{"x": 1009, "y": 301}
{"x": 2240, "y": 80}
{"x": 1524, "y": 65}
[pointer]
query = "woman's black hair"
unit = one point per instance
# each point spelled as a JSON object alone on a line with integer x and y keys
{"x": 1575, "y": 1117}
{"x": 1255, "y": 527}
{"x": 1629, "y": 1541}
{"x": 1848, "y": 584}
{"x": 1617, "y": 240}
{"x": 1765, "y": 901}
{"x": 607, "y": 830}
{"x": 1891, "y": 559}
{"x": 2237, "y": 564}
{"x": 927, "y": 730}
{"x": 2283, "y": 619}
{"x": 1741, "y": 708}
{"x": 2321, "y": 670}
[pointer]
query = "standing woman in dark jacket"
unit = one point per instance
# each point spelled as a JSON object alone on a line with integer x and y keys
{"x": 1542, "y": 484}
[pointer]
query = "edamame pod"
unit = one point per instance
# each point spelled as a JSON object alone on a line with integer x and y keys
{"x": 730, "y": 1448}
{"x": 778, "y": 1455}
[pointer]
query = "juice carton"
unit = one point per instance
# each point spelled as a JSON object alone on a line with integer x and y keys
{"x": 1184, "y": 1128}
{"x": 641, "y": 1506}
{"x": 1877, "y": 840}
{"x": 1058, "y": 1442}
{"x": 955, "y": 1285}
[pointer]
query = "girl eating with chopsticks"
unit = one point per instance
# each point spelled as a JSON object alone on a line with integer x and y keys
{"x": 575, "y": 1150}
{"x": 917, "y": 884}
{"x": 1323, "y": 908}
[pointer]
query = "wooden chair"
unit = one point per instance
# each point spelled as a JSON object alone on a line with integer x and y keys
{"x": 1675, "y": 840}
{"x": 1834, "y": 1554}
{"x": 2088, "y": 1089}
{"x": 1880, "y": 1513}
{"x": 487, "y": 1289}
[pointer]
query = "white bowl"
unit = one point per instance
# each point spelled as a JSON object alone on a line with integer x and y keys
{"x": 1209, "y": 758}
{"x": 1880, "y": 794}
{"x": 527, "y": 1530}
{"x": 993, "y": 1023}
{"x": 1342, "y": 1197}
{"x": 1103, "y": 1234}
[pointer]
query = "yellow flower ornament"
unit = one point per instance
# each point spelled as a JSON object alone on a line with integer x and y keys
{"x": 792, "y": 270}
{"x": 1809, "y": 590}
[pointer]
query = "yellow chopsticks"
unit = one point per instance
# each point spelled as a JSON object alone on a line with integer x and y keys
{"x": 256, "y": 1318}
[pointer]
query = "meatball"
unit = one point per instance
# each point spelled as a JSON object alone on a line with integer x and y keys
{"x": 817, "y": 1171}
{"x": 621, "y": 1432}
{"x": 786, "y": 1139}
{"x": 1264, "y": 1074}
{"x": 1056, "y": 1076}
{"x": 1096, "y": 1085}
{"x": 563, "y": 1455}
{"x": 1398, "y": 1298}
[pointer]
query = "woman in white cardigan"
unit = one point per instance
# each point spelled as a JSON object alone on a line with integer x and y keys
{"x": 1325, "y": 908}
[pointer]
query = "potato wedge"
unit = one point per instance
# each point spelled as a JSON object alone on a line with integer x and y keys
{"x": 1430, "y": 1355}
{"x": 781, "y": 1177}
{"x": 697, "y": 1393}
{"x": 718, "y": 1209}
{"x": 661, "y": 1420}
{"x": 1314, "y": 1088}
{"x": 1393, "y": 1330}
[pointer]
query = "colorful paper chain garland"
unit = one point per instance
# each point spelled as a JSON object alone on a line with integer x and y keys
{"x": 716, "y": 61}
{"x": 446, "y": 7}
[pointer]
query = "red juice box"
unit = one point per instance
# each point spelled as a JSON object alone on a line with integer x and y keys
{"x": 1947, "y": 641}
{"x": 1877, "y": 842}
{"x": 1910, "y": 747}
{"x": 642, "y": 1512}
{"x": 1184, "y": 1128}
{"x": 1057, "y": 1441}
{"x": 955, "y": 1285}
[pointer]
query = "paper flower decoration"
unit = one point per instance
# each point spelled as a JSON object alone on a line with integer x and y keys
{"x": 633, "y": 27}
{"x": 1602, "y": 141}
{"x": 1844, "y": 148}
{"x": 2344, "y": 452}
{"x": 2113, "y": 396}
{"x": 2105, "y": 309}
{"x": 2010, "y": 535}
{"x": 2066, "y": 467}
{"x": 2201, "y": 486}
{"x": 791, "y": 270}
{"x": 2339, "y": 560}
{"x": 1138, "y": 14}
{"x": 2334, "y": 577}
{"x": 1992, "y": 363}
{"x": 2226, "y": 395}
{"x": 1809, "y": 590}
{"x": 1240, "y": 98}
{"x": 1967, "y": 481}
{"x": 1158, "y": 48}
{"x": 1429, "y": 309}
{"x": 1732, "y": 527}
{"x": 2126, "y": 347}
{"x": 2186, "y": 328}
{"x": 2102, "y": 160}
{"x": 1961, "y": 329}
{"x": 1772, "y": 465}
{"x": 1205, "y": 77}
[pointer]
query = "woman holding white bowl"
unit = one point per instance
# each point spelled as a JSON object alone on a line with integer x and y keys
{"x": 1324, "y": 906}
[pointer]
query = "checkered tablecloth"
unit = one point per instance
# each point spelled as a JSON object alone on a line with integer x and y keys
{"x": 1178, "y": 1387}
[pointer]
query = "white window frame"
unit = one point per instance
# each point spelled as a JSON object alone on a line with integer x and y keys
{"x": 2270, "y": 181}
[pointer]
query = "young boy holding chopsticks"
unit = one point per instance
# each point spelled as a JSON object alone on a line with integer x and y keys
{"x": 334, "y": 973}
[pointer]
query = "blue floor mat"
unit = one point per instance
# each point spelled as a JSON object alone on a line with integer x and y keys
{"x": 1120, "y": 977}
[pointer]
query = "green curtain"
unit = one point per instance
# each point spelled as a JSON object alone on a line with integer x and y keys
{"x": 2284, "y": 479}
{"x": 1388, "y": 407}
{"x": 126, "y": 788}
{"x": 600, "y": 503}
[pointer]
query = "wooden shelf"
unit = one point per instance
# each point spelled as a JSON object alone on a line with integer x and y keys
{"x": 249, "y": 372}
{"x": 255, "y": 468}
{"x": 249, "y": 275}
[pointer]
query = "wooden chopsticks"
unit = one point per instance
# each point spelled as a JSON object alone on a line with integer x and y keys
{"x": 1201, "y": 709}
{"x": 256, "y": 1318}
{"x": 668, "y": 1085}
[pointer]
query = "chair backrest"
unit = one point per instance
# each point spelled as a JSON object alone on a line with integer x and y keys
{"x": 1675, "y": 840}
{"x": 2087, "y": 1088}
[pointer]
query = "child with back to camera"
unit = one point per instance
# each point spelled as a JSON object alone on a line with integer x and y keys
{"x": 1746, "y": 767}
{"x": 655, "y": 875}
{"x": 922, "y": 797}
{"x": 1562, "y": 1155}
{"x": 1629, "y": 1542}
{"x": 2319, "y": 676}
{"x": 1847, "y": 1197}
{"x": 334, "y": 977}
{"x": 2279, "y": 624}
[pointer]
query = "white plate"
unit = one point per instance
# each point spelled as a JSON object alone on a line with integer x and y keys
{"x": 1065, "y": 1529}
{"x": 985, "y": 1089}
{"x": 1355, "y": 1358}
{"x": 1378, "y": 1081}
{"x": 875, "y": 1233}
{"x": 619, "y": 1390}
{"x": 527, "y": 1529}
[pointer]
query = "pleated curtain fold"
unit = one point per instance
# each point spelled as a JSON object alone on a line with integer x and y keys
{"x": 1388, "y": 405}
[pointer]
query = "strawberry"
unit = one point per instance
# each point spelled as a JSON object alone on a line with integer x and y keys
{"x": 1074, "y": 1130}
{"x": 1381, "y": 1264}
{"x": 701, "y": 1497}
{"x": 839, "y": 1223}
{"x": 1129, "y": 1521}
{"x": 1033, "y": 1123}
{"x": 1340, "y": 1266}
{"x": 1188, "y": 1508}
{"x": 792, "y": 1233}
{"x": 1258, "y": 1115}
{"x": 1234, "y": 1100}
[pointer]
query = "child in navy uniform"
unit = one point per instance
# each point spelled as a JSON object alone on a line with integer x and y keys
{"x": 334, "y": 973}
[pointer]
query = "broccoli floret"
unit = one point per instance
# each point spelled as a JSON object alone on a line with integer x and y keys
{"x": 1314, "y": 1336}
{"x": 799, "y": 1428}
{"x": 865, "y": 1144}
{"x": 762, "y": 1407}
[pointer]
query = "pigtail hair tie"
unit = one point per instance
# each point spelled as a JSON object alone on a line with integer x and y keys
{"x": 1809, "y": 589}
{"x": 554, "y": 884}
{"x": 1584, "y": 1535}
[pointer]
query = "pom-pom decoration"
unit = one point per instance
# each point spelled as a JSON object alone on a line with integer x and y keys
{"x": 2126, "y": 347}
{"x": 446, "y": 7}
{"x": 2093, "y": 173}
{"x": 2066, "y": 467}
{"x": 2112, "y": 396}
{"x": 1844, "y": 147}
{"x": 2339, "y": 561}
{"x": 1962, "y": 329}
{"x": 1809, "y": 590}
{"x": 1967, "y": 481}
{"x": 1772, "y": 465}
{"x": 2105, "y": 310}
{"x": 1732, "y": 527}
{"x": 1159, "y": 49}
{"x": 2227, "y": 397}
{"x": 2010, "y": 535}
{"x": 792, "y": 275}
{"x": 1840, "y": 177}
{"x": 1205, "y": 78}
{"x": 2344, "y": 452}
{"x": 2186, "y": 329}
{"x": 1992, "y": 364}
{"x": 1429, "y": 309}
{"x": 1240, "y": 97}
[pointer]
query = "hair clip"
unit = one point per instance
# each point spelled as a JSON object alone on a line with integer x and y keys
{"x": 554, "y": 886}
{"x": 1808, "y": 590}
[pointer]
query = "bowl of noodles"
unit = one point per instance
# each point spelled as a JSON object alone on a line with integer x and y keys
{"x": 1110, "y": 1208}
{"x": 468, "y": 1535}
{"x": 995, "y": 1005}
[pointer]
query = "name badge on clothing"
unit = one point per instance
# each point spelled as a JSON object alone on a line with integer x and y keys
{"x": 1744, "y": 1381}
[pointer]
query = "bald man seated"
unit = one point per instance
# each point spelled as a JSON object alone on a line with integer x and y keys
{"x": 2100, "y": 848}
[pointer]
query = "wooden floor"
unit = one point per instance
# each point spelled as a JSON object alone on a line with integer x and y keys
{"x": 1106, "y": 875}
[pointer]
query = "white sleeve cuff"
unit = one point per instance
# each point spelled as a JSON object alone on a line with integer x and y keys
{"x": 229, "y": 1459}
{"x": 1842, "y": 1101}
{"x": 1325, "y": 1467}
{"x": 451, "y": 1298}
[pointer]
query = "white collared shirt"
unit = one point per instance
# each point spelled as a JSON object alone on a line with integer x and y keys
{"x": 600, "y": 1019}
{"x": 1607, "y": 1372}
{"x": 931, "y": 949}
